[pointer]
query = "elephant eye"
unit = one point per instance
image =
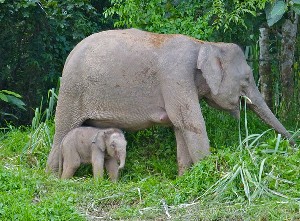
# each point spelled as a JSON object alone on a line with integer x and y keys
{"x": 248, "y": 73}
{"x": 113, "y": 145}
{"x": 246, "y": 79}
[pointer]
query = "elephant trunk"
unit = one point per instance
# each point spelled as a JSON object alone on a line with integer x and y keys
{"x": 260, "y": 107}
{"x": 122, "y": 160}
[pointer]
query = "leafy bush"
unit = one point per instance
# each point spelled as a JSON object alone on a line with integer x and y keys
{"x": 12, "y": 98}
{"x": 193, "y": 18}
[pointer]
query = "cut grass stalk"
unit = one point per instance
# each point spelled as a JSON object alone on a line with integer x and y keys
{"x": 255, "y": 184}
{"x": 277, "y": 143}
{"x": 245, "y": 98}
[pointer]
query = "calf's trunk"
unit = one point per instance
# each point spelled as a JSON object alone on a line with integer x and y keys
{"x": 122, "y": 160}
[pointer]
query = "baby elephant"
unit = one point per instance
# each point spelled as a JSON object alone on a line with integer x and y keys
{"x": 92, "y": 145}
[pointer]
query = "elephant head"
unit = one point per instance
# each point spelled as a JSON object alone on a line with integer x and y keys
{"x": 228, "y": 77}
{"x": 116, "y": 145}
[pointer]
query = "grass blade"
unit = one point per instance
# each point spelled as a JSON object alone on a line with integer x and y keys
{"x": 258, "y": 137}
{"x": 245, "y": 184}
{"x": 277, "y": 143}
{"x": 261, "y": 169}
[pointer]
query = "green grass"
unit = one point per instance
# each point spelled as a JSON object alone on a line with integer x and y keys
{"x": 257, "y": 182}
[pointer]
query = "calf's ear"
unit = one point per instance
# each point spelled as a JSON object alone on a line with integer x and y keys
{"x": 102, "y": 144}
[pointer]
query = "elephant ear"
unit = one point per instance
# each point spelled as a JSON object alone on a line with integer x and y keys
{"x": 105, "y": 137}
{"x": 209, "y": 62}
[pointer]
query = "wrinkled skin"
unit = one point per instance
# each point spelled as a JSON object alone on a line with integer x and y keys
{"x": 129, "y": 79}
{"x": 92, "y": 145}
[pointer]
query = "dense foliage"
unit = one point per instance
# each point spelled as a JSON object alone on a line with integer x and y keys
{"x": 35, "y": 40}
{"x": 203, "y": 20}
{"x": 12, "y": 98}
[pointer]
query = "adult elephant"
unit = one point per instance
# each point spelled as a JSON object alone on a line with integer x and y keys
{"x": 132, "y": 79}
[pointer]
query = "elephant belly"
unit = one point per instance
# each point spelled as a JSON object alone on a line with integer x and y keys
{"x": 134, "y": 120}
{"x": 126, "y": 124}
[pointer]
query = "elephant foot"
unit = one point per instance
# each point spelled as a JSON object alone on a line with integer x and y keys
{"x": 183, "y": 167}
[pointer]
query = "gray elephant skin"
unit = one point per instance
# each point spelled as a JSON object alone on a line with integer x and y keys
{"x": 92, "y": 145}
{"x": 130, "y": 78}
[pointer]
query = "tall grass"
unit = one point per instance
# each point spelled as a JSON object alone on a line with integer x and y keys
{"x": 250, "y": 170}
{"x": 41, "y": 132}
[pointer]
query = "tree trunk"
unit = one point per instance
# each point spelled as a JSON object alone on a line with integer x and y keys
{"x": 289, "y": 31}
{"x": 265, "y": 67}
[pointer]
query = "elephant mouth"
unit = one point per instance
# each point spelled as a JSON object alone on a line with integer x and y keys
{"x": 236, "y": 113}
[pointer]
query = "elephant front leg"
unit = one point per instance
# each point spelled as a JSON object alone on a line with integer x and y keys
{"x": 112, "y": 168}
{"x": 184, "y": 159}
{"x": 183, "y": 109}
{"x": 197, "y": 143}
{"x": 192, "y": 140}
{"x": 98, "y": 164}
{"x": 194, "y": 132}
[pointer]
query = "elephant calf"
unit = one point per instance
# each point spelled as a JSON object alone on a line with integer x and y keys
{"x": 92, "y": 145}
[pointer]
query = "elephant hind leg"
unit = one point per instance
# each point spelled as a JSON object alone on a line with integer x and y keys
{"x": 184, "y": 159}
{"x": 68, "y": 172}
{"x": 69, "y": 168}
{"x": 53, "y": 160}
{"x": 62, "y": 126}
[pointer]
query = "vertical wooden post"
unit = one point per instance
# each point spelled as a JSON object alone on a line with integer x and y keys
{"x": 289, "y": 32}
{"x": 265, "y": 74}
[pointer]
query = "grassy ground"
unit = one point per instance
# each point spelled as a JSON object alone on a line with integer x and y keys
{"x": 259, "y": 180}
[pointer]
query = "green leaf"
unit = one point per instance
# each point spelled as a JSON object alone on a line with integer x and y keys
{"x": 7, "y": 114}
{"x": 277, "y": 142}
{"x": 11, "y": 93}
{"x": 296, "y": 2}
{"x": 16, "y": 101}
{"x": 274, "y": 12}
{"x": 261, "y": 168}
{"x": 3, "y": 97}
{"x": 2, "y": 1}
{"x": 296, "y": 9}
